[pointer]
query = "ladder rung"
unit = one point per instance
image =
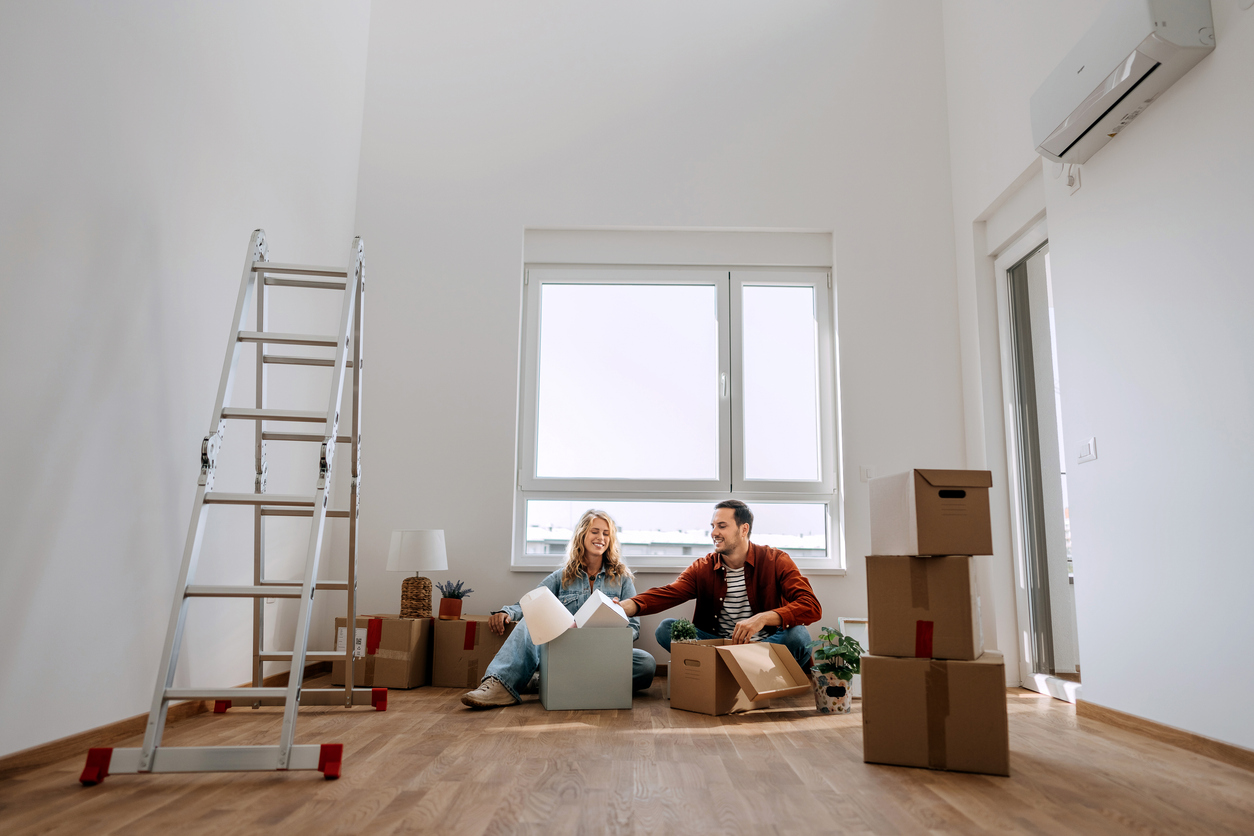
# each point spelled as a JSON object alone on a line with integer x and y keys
{"x": 319, "y": 585}
{"x": 274, "y": 267}
{"x": 267, "y": 435}
{"x": 316, "y": 285}
{"x": 242, "y": 695}
{"x": 305, "y": 415}
{"x": 326, "y": 696}
{"x": 282, "y": 360}
{"x": 216, "y": 758}
{"x": 333, "y": 513}
{"x": 202, "y": 591}
{"x": 220, "y": 498}
{"x": 335, "y": 696}
{"x": 310, "y": 656}
{"x": 275, "y": 338}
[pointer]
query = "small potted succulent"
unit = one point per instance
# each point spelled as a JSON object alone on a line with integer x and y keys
{"x": 837, "y": 659}
{"x": 451, "y": 599}
{"x": 683, "y": 631}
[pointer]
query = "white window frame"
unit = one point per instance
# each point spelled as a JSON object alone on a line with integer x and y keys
{"x": 731, "y": 484}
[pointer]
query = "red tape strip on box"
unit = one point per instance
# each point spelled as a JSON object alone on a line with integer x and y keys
{"x": 374, "y": 634}
{"x": 97, "y": 768}
{"x": 471, "y": 634}
{"x": 330, "y": 757}
{"x": 923, "y": 639}
{"x": 379, "y": 698}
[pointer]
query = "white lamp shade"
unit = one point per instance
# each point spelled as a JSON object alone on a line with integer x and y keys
{"x": 417, "y": 551}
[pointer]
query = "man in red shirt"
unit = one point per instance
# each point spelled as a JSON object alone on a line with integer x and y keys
{"x": 745, "y": 591}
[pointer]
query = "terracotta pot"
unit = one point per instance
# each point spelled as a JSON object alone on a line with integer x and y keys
{"x": 832, "y": 695}
{"x": 450, "y": 609}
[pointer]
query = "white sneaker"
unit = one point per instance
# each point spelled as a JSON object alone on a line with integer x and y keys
{"x": 490, "y": 694}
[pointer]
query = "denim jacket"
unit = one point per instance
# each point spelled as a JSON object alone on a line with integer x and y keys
{"x": 574, "y": 596}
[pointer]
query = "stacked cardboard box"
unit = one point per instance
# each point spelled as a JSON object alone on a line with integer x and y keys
{"x": 462, "y": 650}
{"x": 392, "y": 652}
{"x": 932, "y": 696}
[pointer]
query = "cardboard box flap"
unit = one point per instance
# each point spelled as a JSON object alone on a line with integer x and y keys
{"x": 957, "y": 478}
{"x": 764, "y": 670}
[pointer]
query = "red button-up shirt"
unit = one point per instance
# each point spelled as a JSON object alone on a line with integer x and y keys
{"x": 772, "y": 581}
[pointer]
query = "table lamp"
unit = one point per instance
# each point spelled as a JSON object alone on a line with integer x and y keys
{"x": 416, "y": 551}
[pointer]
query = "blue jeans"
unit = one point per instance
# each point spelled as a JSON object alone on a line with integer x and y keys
{"x": 518, "y": 659}
{"x": 796, "y": 639}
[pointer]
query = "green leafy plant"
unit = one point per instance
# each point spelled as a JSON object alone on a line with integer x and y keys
{"x": 683, "y": 630}
{"x": 448, "y": 589}
{"x": 836, "y": 654}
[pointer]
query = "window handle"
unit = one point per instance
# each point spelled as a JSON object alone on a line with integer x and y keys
{"x": 722, "y": 383}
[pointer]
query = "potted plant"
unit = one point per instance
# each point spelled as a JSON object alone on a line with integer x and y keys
{"x": 451, "y": 600}
{"x": 837, "y": 659}
{"x": 683, "y": 631}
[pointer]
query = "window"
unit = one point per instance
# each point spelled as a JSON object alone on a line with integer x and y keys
{"x": 654, "y": 392}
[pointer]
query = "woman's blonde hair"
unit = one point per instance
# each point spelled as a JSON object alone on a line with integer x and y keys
{"x": 611, "y": 561}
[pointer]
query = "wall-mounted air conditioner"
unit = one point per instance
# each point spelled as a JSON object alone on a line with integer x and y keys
{"x": 1135, "y": 51}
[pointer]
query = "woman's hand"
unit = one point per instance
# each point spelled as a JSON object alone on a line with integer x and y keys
{"x": 497, "y": 622}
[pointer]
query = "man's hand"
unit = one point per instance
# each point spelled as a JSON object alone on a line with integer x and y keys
{"x": 497, "y": 622}
{"x": 747, "y": 629}
{"x": 629, "y": 606}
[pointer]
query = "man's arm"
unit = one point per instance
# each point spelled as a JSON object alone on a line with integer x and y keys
{"x": 801, "y": 606}
{"x": 661, "y": 598}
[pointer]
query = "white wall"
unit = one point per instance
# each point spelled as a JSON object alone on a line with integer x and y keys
{"x": 486, "y": 118}
{"x": 1150, "y": 270}
{"x": 143, "y": 143}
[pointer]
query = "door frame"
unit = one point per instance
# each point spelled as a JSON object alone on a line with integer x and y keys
{"x": 1027, "y": 243}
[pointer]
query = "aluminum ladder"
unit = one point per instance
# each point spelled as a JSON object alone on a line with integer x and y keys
{"x": 258, "y": 274}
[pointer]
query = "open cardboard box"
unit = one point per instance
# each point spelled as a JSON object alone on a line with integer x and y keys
{"x": 714, "y": 676}
{"x": 931, "y": 512}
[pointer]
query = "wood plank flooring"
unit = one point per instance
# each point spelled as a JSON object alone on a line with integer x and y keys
{"x": 428, "y": 765}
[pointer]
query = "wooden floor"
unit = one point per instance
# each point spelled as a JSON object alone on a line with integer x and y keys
{"x": 428, "y": 765}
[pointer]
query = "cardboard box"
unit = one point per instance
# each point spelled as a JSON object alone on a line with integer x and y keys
{"x": 463, "y": 649}
{"x": 925, "y": 512}
{"x": 586, "y": 669}
{"x": 392, "y": 652}
{"x": 937, "y": 714}
{"x": 715, "y": 676}
{"x": 927, "y": 607}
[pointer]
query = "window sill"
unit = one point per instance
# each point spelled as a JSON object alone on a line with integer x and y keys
{"x": 670, "y": 569}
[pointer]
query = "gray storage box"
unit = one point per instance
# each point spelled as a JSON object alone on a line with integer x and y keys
{"x": 586, "y": 669}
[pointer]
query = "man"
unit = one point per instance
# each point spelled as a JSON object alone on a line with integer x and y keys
{"x": 745, "y": 592}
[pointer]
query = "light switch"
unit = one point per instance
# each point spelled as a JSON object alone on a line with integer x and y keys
{"x": 866, "y": 473}
{"x": 1088, "y": 452}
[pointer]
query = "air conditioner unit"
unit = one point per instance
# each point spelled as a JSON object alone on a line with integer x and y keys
{"x": 1135, "y": 51}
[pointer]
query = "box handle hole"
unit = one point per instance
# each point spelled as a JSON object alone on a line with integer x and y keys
{"x": 952, "y": 494}
{"x": 692, "y": 663}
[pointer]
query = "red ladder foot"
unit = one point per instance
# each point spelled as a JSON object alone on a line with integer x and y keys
{"x": 97, "y": 768}
{"x": 379, "y": 698}
{"x": 220, "y": 706}
{"x": 329, "y": 759}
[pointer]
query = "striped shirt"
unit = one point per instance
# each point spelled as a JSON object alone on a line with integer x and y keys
{"x": 735, "y": 605}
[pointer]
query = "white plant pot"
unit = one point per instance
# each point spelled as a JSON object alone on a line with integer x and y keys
{"x": 832, "y": 695}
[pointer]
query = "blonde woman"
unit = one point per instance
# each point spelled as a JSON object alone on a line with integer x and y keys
{"x": 593, "y": 561}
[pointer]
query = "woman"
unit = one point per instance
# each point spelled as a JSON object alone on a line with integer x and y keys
{"x": 593, "y": 562}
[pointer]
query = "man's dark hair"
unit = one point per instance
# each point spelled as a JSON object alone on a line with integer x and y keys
{"x": 741, "y": 512}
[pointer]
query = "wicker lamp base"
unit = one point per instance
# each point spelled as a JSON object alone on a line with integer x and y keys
{"x": 416, "y": 597}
